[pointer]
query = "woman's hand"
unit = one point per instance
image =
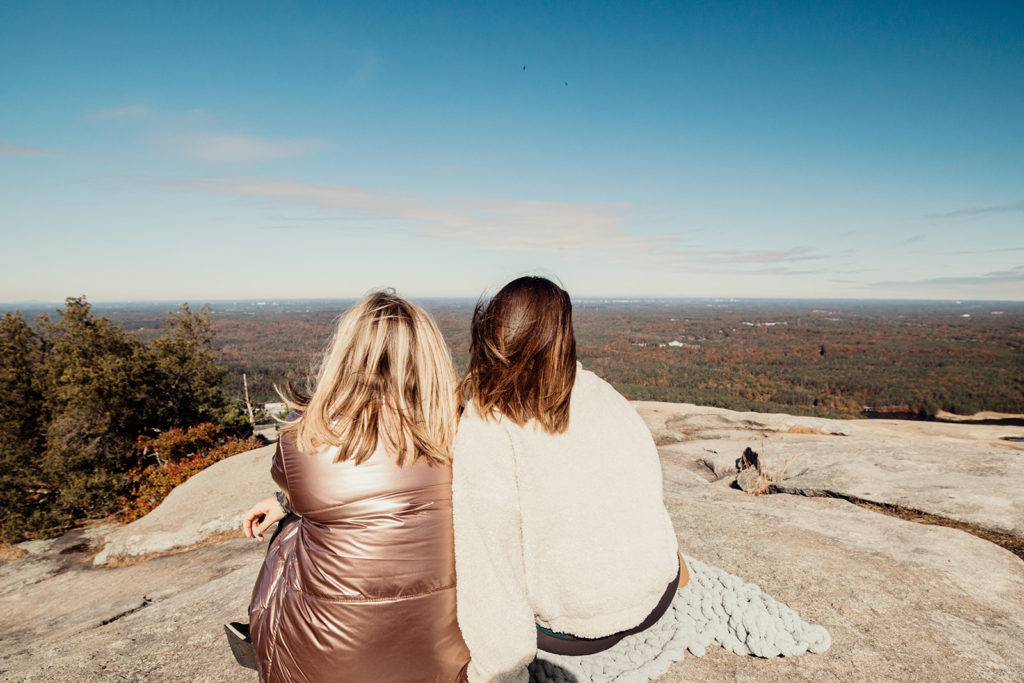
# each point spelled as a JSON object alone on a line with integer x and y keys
{"x": 260, "y": 516}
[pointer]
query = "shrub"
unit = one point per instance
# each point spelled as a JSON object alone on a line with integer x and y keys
{"x": 178, "y": 444}
{"x": 178, "y": 455}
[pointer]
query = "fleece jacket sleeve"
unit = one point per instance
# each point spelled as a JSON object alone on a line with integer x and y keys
{"x": 494, "y": 613}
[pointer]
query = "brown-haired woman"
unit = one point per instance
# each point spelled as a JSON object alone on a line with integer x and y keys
{"x": 361, "y": 585}
{"x": 562, "y": 540}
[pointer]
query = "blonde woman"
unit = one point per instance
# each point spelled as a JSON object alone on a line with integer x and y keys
{"x": 361, "y": 585}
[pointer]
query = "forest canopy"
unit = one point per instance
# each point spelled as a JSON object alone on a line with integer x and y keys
{"x": 827, "y": 359}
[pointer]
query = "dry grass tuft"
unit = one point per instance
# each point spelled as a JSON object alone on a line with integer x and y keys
{"x": 769, "y": 475}
{"x": 800, "y": 429}
{"x": 9, "y": 553}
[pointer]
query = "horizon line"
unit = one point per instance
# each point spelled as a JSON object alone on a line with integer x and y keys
{"x": 620, "y": 298}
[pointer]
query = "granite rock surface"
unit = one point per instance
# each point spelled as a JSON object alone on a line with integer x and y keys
{"x": 902, "y": 600}
{"x": 209, "y": 504}
{"x": 959, "y": 472}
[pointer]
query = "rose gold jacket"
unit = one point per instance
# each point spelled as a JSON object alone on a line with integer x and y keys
{"x": 362, "y": 586}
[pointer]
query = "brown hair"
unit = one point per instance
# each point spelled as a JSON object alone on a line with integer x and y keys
{"x": 386, "y": 374}
{"x": 522, "y": 355}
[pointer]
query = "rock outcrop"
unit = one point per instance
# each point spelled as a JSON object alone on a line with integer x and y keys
{"x": 902, "y": 600}
{"x": 968, "y": 476}
{"x": 210, "y": 504}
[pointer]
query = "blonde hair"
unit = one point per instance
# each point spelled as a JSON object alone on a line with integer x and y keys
{"x": 386, "y": 374}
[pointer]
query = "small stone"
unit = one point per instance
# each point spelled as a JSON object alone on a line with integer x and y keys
{"x": 748, "y": 480}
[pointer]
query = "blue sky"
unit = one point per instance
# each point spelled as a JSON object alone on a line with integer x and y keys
{"x": 200, "y": 151}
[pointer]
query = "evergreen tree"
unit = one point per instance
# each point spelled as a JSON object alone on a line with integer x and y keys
{"x": 21, "y": 485}
{"x": 187, "y": 378}
{"x": 77, "y": 393}
{"x": 94, "y": 381}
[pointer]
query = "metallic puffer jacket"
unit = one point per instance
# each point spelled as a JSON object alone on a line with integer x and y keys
{"x": 361, "y": 587}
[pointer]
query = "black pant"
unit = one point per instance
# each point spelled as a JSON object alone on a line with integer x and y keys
{"x": 573, "y": 646}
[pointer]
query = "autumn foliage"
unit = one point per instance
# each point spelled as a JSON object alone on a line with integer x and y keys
{"x": 174, "y": 457}
{"x": 828, "y": 359}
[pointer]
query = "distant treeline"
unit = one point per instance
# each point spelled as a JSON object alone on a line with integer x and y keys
{"x": 832, "y": 363}
{"x": 789, "y": 358}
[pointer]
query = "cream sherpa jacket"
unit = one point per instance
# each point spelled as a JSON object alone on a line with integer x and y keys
{"x": 568, "y": 531}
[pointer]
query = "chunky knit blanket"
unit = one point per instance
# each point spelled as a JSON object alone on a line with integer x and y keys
{"x": 715, "y": 607}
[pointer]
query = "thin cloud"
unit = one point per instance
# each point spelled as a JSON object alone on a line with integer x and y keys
{"x": 492, "y": 223}
{"x": 495, "y": 223}
{"x": 307, "y": 227}
{"x": 131, "y": 112}
{"x": 150, "y": 115}
{"x": 972, "y": 252}
{"x": 782, "y": 270}
{"x": 331, "y": 219}
{"x": 738, "y": 256}
{"x": 574, "y": 229}
{"x": 231, "y": 148}
{"x": 980, "y": 210}
{"x": 8, "y": 149}
{"x": 365, "y": 71}
{"x": 1014, "y": 276}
